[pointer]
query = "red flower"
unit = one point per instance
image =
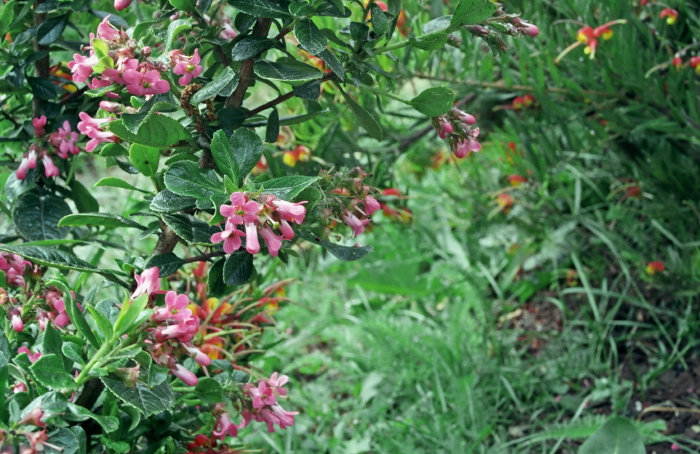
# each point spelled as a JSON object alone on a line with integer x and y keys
{"x": 671, "y": 15}
{"x": 655, "y": 267}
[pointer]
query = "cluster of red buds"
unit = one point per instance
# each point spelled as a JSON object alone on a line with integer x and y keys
{"x": 61, "y": 144}
{"x": 694, "y": 63}
{"x": 523, "y": 102}
{"x": 350, "y": 200}
{"x": 456, "y": 127}
{"x": 260, "y": 216}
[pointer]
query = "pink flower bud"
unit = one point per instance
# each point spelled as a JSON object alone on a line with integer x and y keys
{"x": 185, "y": 375}
{"x": 121, "y": 4}
{"x": 371, "y": 205}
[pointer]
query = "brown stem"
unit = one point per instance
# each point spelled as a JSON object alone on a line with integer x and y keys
{"x": 261, "y": 29}
{"x": 282, "y": 98}
{"x": 203, "y": 257}
{"x": 167, "y": 241}
{"x": 41, "y": 66}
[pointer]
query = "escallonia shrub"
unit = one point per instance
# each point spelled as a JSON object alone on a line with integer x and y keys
{"x": 146, "y": 342}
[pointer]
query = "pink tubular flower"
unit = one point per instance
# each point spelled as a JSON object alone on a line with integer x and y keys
{"x": 273, "y": 241}
{"x": 122, "y": 4}
{"x": 91, "y": 128}
{"x": 286, "y": 229}
{"x": 465, "y": 147}
{"x": 224, "y": 427}
{"x": 263, "y": 406}
{"x": 19, "y": 387}
{"x": 241, "y": 210}
{"x": 147, "y": 283}
{"x": 292, "y": 212}
{"x": 106, "y": 31}
{"x": 28, "y": 162}
{"x": 81, "y": 67}
{"x": 354, "y": 223}
{"x": 188, "y": 68}
{"x": 199, "y": 356}
{"x": 13, "y": 266}
{"x": 39, "y": 124}
{"x": 148, "y": 83}
{"x": 231, "y": 237}
{"x": 185, "y": 375}
{"x": 32, "y": 356}
{"x": 50, "y": 169}
{"x": 252, "y": 244}
{"x": 371, "y": 205}
{"x": 16, "y": 320}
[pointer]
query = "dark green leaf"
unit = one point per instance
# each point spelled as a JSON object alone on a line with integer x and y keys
{"x": 52, "y": 343}
{"x": 250, "y": 47}
{"x": 169, "y": 202}
{"x": 158, "y": 103}
{"x": 65, "y": 440}
{"x": 307, "y": 90}
{"x": 75, "y": 314}
{"x": 223, "y": 154}
{"x": 260, "y": 8}
{"x": 438, "y": 25}
{"x": 42, "y": 88}
{"x": 157, "y": 131}
{"x": 51, "y": 29}
{"x": 189, "y": 228}
{"x": 49, "y": 372}
{"x": 167, "y": 263}
{"x": 186, "y": 178}
{"x": 380, "y": 21}
{"x": 290, "y": 70}
{"x": 215, "y": 279}
{"x": 470, "y": 12}
{"x": 117, "y": 183}
{"x": 148, "y": 400}
{"x": 99, "y": 219}
{"x": 231, "y": 118}
{"x": 272, "y": 131}
{"x": 214, "y": 87}
{"x": 36, "y": 215}
{"x": 433, "y": 41}
{"x": 72, "y": 352}
{"x": 184, "y": 5}
{"x": 238, "y": 268}
{"x": 309, "y": 36}
{"x": 333, "y": 63}
{"x": 288, "y": 187}
{"x": 113, "y": 150}
{"x": 366, "y": 120}
{"x": 50, "y": 257}
{"x": 174, "y": 29}
{"x": 434, "y": 101}
{"x": 78, "y": 413}
{"x": 83, "y": 199}
{"x": 344, "y": 253}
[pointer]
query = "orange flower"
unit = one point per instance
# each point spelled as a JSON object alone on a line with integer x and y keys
{"x": 589, "y": 36}
{"x": 516, "y": 180}
{"x": 671, "y": 15}
{"x": 695, "y": 64}
{"x": 260, "y": 167}
{"x": 505, "y": 201}
{"x": 655, "y": 267}
{"x": 677, "y": 62}
{"x": 300, "y": 153}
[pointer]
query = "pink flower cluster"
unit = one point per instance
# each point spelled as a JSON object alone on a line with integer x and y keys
{"x": 356, "y": 203}
{"x": 140, "y": 76}
{"x": 260, "y": 405}
{"x": 54, "y": 299}
{"x": 14, "y": 267}
{"x": 60, "y": 143}
{"x": 258, "y": 217}
{"x": 174, "y": 327}
{"x": 456, "y": 127}
{"x": 187, "y": 67}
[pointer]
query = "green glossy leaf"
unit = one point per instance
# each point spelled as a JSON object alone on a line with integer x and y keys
{"x": 169, "y": 202}
{"x": 187, "y": 179}
{"x": 260, "y": 8}
{"x": 78, "y": 413}
{"x": 144, "y": 158}
{"x": 440, "y": 24}
{"x": 99, "y": 219}
{"x": 117, "y": 183}
{"x": 49, "y": 372}
{"x": 104, "y": 325}
{"x": 287, "y": 188}
{"x": 82, "y": 197}
{"x": 333, "y": 63}
{"x": 215, "y": 279}
{"x": 164, "y": 102}
{"x": 290, "y": 70}
{"x": 366, "y": 120}
{"x": 42, "y": 88}
{"x": 129, "y": 314}
{"x": 213, "y": 88}
{"x": 73, "y": 353}
{"x": 238, "y": 268}
{"x": 247, "y": 149}
{"x": 113, "y": 150}
{"x": 52, "y": 343}
{"x": 148, "y": 400}
{"x": 6, "y": 16}
{"x": 380, "y": 21}
{"x": 617, "y": 436}
{"x": 189, "y": 228}
{"x": 307, "y": 90}
{"x": 66, "y": 440}
{"x": 231, "y": 117}
{"x": 184, "y": 5}
{"x": 434, "y": 101}
{"x": 223, "y": 154}
{"x": 157, "y": 131}
{"x": 209, "y": 390}
{"x": 36, "y": 214}
{"x": 470, "y": 12}
{"x": 175, "y": 28}
{"x": 309, "y": 36}
{"x": 168, "y": 263}
{"x": 75, "y": 314}
{"x": 344, "y": 253}
{"x": 433, "y": 41}
{"x": 250, "y": 47}
{"x": 50, "y": 257}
